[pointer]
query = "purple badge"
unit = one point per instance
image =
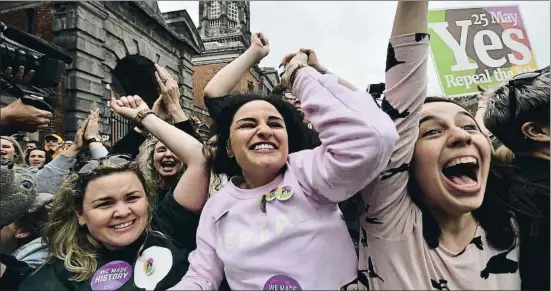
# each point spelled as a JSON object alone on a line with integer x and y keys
{"x": 282, "y": 282}
{"x": 111, "y": 276}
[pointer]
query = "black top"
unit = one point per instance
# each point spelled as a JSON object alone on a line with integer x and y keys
{"x": 16, "y": 271}
{"x": 130, "y": 143}
{"x": 534, "y": 243}
{"x": 168, "y": 245}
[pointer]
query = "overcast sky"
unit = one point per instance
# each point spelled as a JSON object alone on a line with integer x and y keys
{"x": 350, "y": 38}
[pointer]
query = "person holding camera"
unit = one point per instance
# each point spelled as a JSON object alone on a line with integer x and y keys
{"x": 18, "y": 115}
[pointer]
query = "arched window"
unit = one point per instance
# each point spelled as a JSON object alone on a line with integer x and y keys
{"x": 214, "y": 10}
{"x": 233, "y": 12}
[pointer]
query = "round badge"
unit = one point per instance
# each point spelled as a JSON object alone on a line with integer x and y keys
{"x": 111, "y": 276}
{"x": 282, "y": 282}
{"x": 148, "y": 267}
{"x": 271, "y": 195}
{"x": 284, "y": 193}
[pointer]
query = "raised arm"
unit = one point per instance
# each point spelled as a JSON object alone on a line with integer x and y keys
{"x": 225, "y": 80}
{"x": 357, "y": 137}
{"x": 406, "y": 87}
{"x": 50, "y": 178}
{"x": 191, "y": 190}
{"x": 314, "y": 63}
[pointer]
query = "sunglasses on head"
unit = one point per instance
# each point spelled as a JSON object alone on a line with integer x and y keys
{"x": 92, "y": 165}
{"x": 512, "y": 91}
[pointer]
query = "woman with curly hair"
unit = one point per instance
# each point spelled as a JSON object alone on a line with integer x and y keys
{"x": 160, "y": 165}
{"x": 276, "y": 223}
{"x": 102, "y": 231}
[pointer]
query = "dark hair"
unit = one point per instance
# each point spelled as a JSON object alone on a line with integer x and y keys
{"x": 493, "y": 215}
{"x": 299, "y": 136}
{"x": 33, "y": 141}
{"x": 47, "y": 155}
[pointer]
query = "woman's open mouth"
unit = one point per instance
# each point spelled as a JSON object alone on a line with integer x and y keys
{"x": 462, "y": 174}
{"x": 168, "y": 165}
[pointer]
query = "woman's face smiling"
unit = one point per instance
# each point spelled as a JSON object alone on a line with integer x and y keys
{"x": 451, "y": 159}
{"x": 115, "y": 209}
{"x": 258, "y": 139}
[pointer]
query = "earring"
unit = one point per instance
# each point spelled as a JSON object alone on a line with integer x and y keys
{"x": 228, "y": 150}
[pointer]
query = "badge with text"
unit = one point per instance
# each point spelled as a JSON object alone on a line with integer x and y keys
{"x": 111, "y": 276}
{"x": 282, "y": 282}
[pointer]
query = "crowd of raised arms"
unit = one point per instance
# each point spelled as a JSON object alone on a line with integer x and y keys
{"x": 264, "y": 202}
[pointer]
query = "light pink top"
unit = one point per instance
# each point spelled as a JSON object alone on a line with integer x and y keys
{"x": 393, "y": 251}
{"x": 300, "y": 243}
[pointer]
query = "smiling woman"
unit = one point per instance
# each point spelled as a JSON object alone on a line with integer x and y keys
{"x": 102, "y": 232}
{"x": 283, "y": 194}
{"x": 436, "y": 204}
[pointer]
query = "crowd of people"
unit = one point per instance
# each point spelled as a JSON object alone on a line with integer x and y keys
{"x": 315, "y": 186}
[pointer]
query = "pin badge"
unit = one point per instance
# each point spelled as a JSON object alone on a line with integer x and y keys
{"x": 284, "y": 193}
{"x": 148, "y": 267}
{"x": 272, "y": 194}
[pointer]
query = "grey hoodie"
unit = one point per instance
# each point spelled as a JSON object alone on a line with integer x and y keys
{"x": 48, "y": 180}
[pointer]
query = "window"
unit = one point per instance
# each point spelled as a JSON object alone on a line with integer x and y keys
{"x": 214, "y": 10}
{"x": 233, "y": 12}
{"x": 214, "y": 23}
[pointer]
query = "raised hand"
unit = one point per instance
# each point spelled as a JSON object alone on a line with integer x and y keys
{"x": 313, "y": 59}
{"x": 291, "y": 63}
{"x": 78, "y": 141}
{"x": 159, "y": 107}
{"x": 260, "y": 45}
{"x": 92, "y": 130}
{"x": 128, "y": 106}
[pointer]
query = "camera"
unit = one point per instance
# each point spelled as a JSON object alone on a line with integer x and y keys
{"x": 18, "y": 48}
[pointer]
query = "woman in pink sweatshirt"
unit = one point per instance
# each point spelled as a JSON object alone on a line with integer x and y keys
{"x": 276, "y": 224}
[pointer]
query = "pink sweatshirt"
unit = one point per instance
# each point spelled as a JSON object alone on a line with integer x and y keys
{"x": 300, "y": 243}
{"x": 393, "y": 252}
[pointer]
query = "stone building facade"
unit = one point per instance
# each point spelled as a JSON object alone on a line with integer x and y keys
{"x": 224, "y": 27}
{"x": 113, "y": 43}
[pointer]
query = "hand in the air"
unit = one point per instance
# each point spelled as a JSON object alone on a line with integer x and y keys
{"x": 313, "y": 59}
{"x": 260, "y": 45}
{"x": 92, "y": 130}
{"x": 291, "y": 62}
{"x": 127, "y": 106}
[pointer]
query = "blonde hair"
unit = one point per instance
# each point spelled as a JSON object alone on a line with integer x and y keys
{"x": 146, "y": 163}
{"x": 70, "y": 242}
{"x": 19, "y": 157}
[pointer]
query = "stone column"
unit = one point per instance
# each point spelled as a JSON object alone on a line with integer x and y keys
{"x": 78, "y": 28}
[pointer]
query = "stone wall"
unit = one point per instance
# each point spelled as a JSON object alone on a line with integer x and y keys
{"x": 97, "y": 35}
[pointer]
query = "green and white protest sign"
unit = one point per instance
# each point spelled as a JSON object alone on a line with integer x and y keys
{"x": 472, "y": 46}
